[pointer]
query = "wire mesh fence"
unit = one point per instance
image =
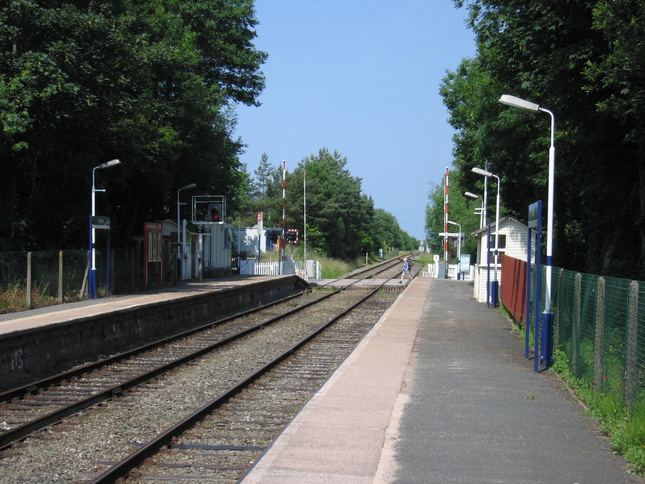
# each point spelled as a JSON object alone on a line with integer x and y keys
{"x": 600, "y": 327}
{"x": 44, "y": 278}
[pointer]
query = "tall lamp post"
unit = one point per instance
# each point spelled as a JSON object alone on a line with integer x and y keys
{"x": 180, "y": 245}
{"x": 481, "y": 210}
{"x": 516, "y": 102}
{"x": 495, "y": 284}
{"x": 91, "y": 288}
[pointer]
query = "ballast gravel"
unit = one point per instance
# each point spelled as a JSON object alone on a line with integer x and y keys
{"x": 81, "y": 446}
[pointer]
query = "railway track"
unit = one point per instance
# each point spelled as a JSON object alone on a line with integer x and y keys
{"x": 212, "y": 359}
{"x": 27, "y": 409}
{"x": 388, "y": 269}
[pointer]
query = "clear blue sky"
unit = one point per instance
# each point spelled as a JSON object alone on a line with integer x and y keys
{"x": 360, "y": 77}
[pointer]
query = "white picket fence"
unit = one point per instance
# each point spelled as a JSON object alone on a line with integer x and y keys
{"x": 253, "y": 268}
{"x": 267, "y": 269}
{"x": 289, "y": 266}
{"x": 452, "y": 272}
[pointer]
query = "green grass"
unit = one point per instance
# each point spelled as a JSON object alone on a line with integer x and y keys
{"x": 625, "y": 426}
{"x": 14, "y": 298}
{"x": 333, "y": 268}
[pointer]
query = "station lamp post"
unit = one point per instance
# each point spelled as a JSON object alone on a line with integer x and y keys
{"x": 180, "y": 245}
{"x": 480, "y": 210}
{"x": 495, "y": 283}
{"x": 516, "y": 102}
{"x": 91, "y": 287}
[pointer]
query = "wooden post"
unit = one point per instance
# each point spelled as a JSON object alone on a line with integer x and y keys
{"x": 28, "y": 298}
{"x": 575, "y": 330}
{"x": 60, "y": 277}
{"x": 631, "y": 363}
{"x": 599, "y": 344}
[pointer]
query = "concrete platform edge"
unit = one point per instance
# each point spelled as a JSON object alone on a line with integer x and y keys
{"x": 346, "y": 431}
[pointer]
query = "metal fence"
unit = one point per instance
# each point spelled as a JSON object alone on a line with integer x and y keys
{"x": 600, "y": 326}
{"x": 37, "y": 279}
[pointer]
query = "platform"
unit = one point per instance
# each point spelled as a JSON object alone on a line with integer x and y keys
{"x": 440, "y": 392}
{"x": 40, "y": 342}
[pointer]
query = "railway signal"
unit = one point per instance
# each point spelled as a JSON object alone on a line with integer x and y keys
{"x": 292, "y": 236}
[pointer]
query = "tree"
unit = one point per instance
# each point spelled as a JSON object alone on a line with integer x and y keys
{"x": 150, "y": 83}
{"x": 263, "y": 177}
{"x": 341, "y": 221}
{"x": 461, "y": 210}
{"x": 336, "y": 209}
{"x": 542, "y": 51}
{"x": 387, "y": 232}
{"x": 618, "y": 77}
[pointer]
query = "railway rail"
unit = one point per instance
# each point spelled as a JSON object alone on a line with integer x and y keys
{"x": 388, "y": 269}
{"x": 27, "y": 414}
{"x": 222, "y": 439}
{"x": 32, "y": 407}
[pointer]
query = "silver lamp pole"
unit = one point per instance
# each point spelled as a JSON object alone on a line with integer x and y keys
{"x": 91, "y": 288}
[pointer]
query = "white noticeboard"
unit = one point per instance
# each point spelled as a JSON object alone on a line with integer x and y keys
{"x": 464, "y": 263}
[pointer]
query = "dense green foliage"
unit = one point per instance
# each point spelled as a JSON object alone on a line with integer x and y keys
{"x": 151, "y": 83}
{"x": 462, "y": 211}
{"x": 583, "y": 60}
{"x": 341, "y": 221}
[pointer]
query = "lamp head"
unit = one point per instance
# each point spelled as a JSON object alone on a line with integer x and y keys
{"x": 518, "y": 103}
{"x": 192, "y": 185}
{"x": 479, "y": 171}
{"x": 108, "y": 164}
{"x": 471, "y": 195}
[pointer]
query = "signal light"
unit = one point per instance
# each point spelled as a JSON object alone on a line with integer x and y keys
{"x": 292, "y": 236}
{"x": 214, "y": 212}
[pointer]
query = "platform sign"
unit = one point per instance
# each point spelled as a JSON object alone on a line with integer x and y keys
{"x": 533, "y": 215}
{"x": 464, "y": 263}
{"x": 152, "y": 250}
{"x": 100, "y": 222}
{"x": 153, "y": 241}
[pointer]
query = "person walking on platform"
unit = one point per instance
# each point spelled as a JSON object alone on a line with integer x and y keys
{"x": 406, "y": 270}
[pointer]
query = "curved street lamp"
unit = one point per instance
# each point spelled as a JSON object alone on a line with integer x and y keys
{"x": 91, "y": 287}
{"x": 495, "y": 284}
{"x": 480, "y": 210}
{"x": 525, "y": 105}
{"x": 518, "y": 103}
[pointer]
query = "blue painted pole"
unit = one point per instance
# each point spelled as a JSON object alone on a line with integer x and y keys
{"x": 538, "y": 288}
{"x": 547, "y": 339}
{"x": 107, "y": 268}
{"x": 488, "y": 286}
{"x": 91, "y": 283}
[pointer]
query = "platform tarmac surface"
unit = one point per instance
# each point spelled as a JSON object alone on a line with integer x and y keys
{"x": 61, "y": 313}
{"x": 440, "y": 392}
